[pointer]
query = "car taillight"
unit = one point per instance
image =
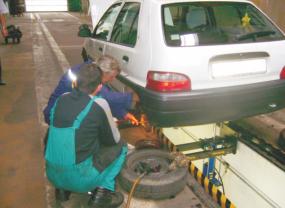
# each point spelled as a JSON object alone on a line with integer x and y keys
{"x": 167, "y": 81}
{"x": 282, "y": 73}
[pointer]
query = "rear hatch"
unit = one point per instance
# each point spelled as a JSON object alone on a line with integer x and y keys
{"x": 219, "y": 44}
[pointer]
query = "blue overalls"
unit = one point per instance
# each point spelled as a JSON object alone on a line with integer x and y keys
{"x": 118, "y": 102}
{"x": 61, "y": 168}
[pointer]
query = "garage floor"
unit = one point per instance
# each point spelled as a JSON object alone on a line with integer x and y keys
{"x": 31, "y": 70}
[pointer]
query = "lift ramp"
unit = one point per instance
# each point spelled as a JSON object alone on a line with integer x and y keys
{"x": 252, "y": 177}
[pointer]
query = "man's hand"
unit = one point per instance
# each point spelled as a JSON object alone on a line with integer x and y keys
{"x": 131, "y": 118}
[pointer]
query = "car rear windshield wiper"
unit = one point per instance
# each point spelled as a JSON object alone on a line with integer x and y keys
{"x": 255, "y": 35}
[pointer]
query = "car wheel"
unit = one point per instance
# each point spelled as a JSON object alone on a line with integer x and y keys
{"x": 161, "y": 182}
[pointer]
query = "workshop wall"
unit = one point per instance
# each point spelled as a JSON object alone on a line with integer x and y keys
{"x": 274, "y": 9}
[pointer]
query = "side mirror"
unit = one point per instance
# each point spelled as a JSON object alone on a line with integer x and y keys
{"x": 84, "y": 31}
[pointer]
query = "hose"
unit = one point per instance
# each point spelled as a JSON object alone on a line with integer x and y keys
{"x": 136, "y": 182}
{"x": 221, "y": 180}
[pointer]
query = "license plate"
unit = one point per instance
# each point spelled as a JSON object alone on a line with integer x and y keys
{"x": 238, "y": 68}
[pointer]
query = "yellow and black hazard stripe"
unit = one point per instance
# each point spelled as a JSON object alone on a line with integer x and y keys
{"x": 209, "y": 187}
{"x": 165, "y": 141}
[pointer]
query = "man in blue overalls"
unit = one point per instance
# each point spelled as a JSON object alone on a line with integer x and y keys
{"x": 84, "y": 150}
{"x": 119, "y": 102}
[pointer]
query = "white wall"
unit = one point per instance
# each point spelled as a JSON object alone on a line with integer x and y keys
{"x": 46, "y": 5}
{"x": 253, "y": 181}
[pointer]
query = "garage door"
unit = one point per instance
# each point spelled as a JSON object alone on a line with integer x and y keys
{"x": 46, "y": 5}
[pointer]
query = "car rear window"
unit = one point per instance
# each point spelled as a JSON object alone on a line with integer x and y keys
{"x": 212, "y": 23}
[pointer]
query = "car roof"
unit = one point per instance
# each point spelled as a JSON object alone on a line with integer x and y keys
{"x": 176, "y": 1}
{"x": 173, "y": 1}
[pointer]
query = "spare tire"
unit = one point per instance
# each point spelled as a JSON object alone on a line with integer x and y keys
{"x": 160, "y": 184}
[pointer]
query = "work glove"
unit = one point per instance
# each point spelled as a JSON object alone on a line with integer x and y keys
{"x": 131, "y": 118}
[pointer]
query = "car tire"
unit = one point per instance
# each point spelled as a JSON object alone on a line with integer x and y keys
{"x": 158, "y": 185}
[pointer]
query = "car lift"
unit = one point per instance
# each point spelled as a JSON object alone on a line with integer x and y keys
{"x": 197, "y": 143}
{"x": 211, "y": 147}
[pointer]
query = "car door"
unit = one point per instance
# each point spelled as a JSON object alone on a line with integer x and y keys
{"x": 95, "y": 46}
{"x": 123, "y": 40}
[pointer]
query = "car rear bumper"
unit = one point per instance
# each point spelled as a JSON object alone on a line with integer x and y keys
{"x": 214, "y": 105}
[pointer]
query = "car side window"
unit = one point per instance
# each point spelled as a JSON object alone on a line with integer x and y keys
{"x": 126, "y": 25}
{"x": 105, "y": 24}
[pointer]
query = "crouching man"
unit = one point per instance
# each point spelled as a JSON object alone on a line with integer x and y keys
{"x": 84, "y": 151}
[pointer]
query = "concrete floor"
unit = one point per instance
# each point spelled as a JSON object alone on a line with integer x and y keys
{"x": 32, "y": 69}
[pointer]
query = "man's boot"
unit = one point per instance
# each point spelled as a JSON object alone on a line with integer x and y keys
{"x": 62, "y": 195}
{"x": 103, "y": 198}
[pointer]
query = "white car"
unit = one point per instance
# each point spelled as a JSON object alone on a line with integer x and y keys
{"x": 194, "y": 61}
